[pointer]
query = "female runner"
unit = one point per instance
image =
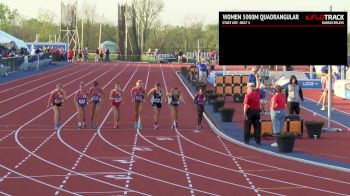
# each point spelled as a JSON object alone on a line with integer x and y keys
{"x": 156, "y": 96}
{"x": 56, "y": 99}
{"x": 174, "y": 98}
{"x": 138, "y": 97}
{"x": 96, "y": 93}
{"x": 81, "y": 100}
{"x": 116, "y": 97}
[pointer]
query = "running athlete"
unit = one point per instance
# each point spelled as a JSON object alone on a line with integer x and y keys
{"x": 156, "y": 96}
{"x": 174, "y": 98}
{"x": 95, "y": 94}
{"x": 116, "y": 98}
{"x": 138, "y": 97}
{"x": 199, "y": 101}
{"x": 81, "y": 100}
{"x": 57, "y": 96}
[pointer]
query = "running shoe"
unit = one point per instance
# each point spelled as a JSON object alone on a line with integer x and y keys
{"x": 323, "y": 108}
{"x": 139, "y": 126}
{"x": 274, "y": 144}
{"x": 155, "y": 126}
{"x": 177, "y": 125}
{"x": 84, "y": 125}
{"x": 92, "y": 126}
{"x": 135, "y": 125}
{"x": 172, "y": 127}
{"x": 80, "y": 127}
{"x": 56, "y": 127}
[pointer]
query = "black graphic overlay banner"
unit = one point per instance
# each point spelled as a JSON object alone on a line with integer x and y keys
{"x": 283, "y": 38}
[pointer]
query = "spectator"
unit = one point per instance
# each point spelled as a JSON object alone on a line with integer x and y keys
{"x": 155, "y": 54}
{"x": 107, "y": 55}
{"x": 278, "y": 115}
{"x": 61, "y": 54}
{"x": 251, "y": 112}
{"x": 70, "y": 56}
{"x": 294, "y": 95}
{"x": 324, "y": 82}
{"x": 97, "y": 53}
{"x": 180, "y": 55}
{"x": 203, "y": 68}
{"x": 253, "y": 78}
{"x": 101, "y": 52}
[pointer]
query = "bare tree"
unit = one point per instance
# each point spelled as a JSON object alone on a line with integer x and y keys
{"x": 145, "y": 12}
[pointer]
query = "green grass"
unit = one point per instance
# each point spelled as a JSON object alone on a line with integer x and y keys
{"x": 112, "y": 57}
{"x": 145, "y": 58}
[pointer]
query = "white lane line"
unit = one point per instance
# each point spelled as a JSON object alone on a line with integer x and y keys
{"x": 40, "y": 78}
{"x": 266, "y": 152}
{"x": 22, "y": 106}
{"x": 75, "y": 164}
{"x": 33, "y": 76}
{"x": 32, "y": 101}
{"x": 45, "y": 84}
{"x": 47, "y": 139}
{"x": 134, "y": 148}
{"x": 185, "y": 166}
{"x": 28, "y": 156}
{"x": 240, "y": 168}
{"x": 59, "y": 166}
{"x": 92, "y": 138}
{"x": 38, "y": 181}
{"x": 216, "y": 131}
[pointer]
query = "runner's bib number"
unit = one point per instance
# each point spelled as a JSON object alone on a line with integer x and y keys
{"x": 82, "y": 101}
{"x": 57, "y": 100}
{"x": 156, "y": 100}
{"x": 117, "y": 99}
{"x": 96, "y": 98}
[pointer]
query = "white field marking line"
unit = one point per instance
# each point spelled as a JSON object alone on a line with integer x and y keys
{"x": 101, "y": 192}
{"x": 89, "y": 143}
{"x": 240, "y": 168}
{"x": 6, "y": 136}
{"x": 334, "y": 108}
{"x": 189, "y": 181}
{"x": 253, "y": 148}
{"x": 45, "y": 84}
{"x": 27, "y": 157}
{"x": 266, "y": 152}
{"x": 40, "y": 78}
{"x": 133, "y": 149}
{"x": 30, "y": 76}
{"x": 61, "y": 167}
{"x": 64, "y": 175}
{"x": 173, "y": 168}
{"x": 75, "y": 165}
{"x": 113, "y": 166}
{"x": 38, "y": 181}
{"x": 22, "y": 106}
{"x": 49, "y": 137}
{"x": 5, "y": 194}
{"x": 321, "y": 115}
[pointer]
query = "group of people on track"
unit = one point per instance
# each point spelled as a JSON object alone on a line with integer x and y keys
{"x": 95, "y": 94}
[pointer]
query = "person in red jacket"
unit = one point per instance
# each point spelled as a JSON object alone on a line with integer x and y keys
{"x": 70, "y": 56}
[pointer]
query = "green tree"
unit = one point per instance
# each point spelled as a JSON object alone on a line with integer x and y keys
{"x": 7, "y": 17}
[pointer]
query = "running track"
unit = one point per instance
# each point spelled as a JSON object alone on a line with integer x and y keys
{"x": 35, "y": 160}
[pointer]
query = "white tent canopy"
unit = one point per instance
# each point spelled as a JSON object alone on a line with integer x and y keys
{"x": 10, "y": 41}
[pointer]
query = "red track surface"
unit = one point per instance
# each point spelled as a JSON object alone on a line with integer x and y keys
{"x": 35, "y": 160}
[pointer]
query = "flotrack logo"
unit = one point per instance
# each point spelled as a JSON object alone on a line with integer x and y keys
{"x": 326, "y": 18}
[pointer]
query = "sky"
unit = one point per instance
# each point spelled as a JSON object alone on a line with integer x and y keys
{"x": 175, "y": 11}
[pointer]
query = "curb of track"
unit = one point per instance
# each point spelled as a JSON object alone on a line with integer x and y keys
{"x": 214, "y": 127}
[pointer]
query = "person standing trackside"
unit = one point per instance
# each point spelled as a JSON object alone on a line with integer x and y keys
{"x": 97, "y": 55}
{"x": 278, "y": 115}
{"x": 203, "y": 68}
{"x": 294, "y": 95}
{"x": 251, "y": 111}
